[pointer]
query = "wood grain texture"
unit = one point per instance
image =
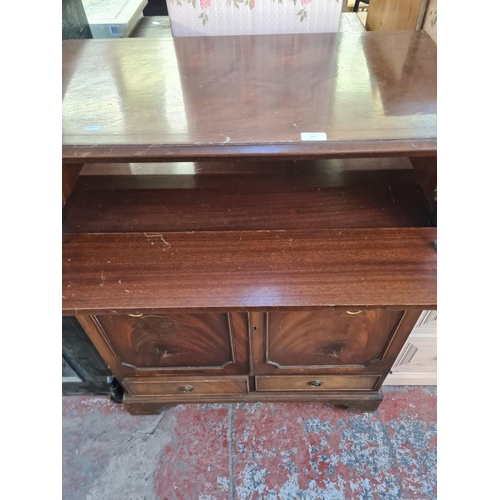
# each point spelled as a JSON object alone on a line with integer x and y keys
{"x": 118, "y": 346}
{"x": 171, "y": 342}
{"x": 316, "y": 383}
{"x": 389, "y": 338}
{"x": 139, "y": 272}
{"x": 395, "y": 15}
{"x": 326, "y": 194}
{"x": 248, "y": 96}
{"x": 185, "y": 386}
{"x": 327, "y": 338}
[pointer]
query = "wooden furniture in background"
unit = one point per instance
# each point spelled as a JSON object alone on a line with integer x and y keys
{"x": 417, "y": 362}
{"x": 395, "y": 15}
{"x": 247, "y": 263}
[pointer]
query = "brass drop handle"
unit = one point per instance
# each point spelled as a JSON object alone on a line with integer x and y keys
{"x": 135, "y": 315}
{"x": 353, "y": 313}
{"x": 315, "y": 383}
{"x": 187, "y": 388}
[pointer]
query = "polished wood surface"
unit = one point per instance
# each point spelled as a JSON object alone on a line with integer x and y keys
{"x": 139, "y": 272}
{"x": 132, "y": 350}
{"x": 185, "y": 387}
{"x": 329, "y": 194}
{"x": 388, "y": 330}
{"x": 327, "y": 338}
{"x": 248, "y": 96}
{"x": 216, "y": 278}
{"x": 314, "y": 384}
{"x": 171, "y": 342}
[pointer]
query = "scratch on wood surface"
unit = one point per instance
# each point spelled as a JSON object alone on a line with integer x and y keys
{"x": 166, "y": 244}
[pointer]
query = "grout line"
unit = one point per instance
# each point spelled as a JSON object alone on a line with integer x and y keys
{"x": 230, "y": 444}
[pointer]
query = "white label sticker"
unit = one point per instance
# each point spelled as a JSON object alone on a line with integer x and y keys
{"x": 313, "y": 136}
{"x": 92, "y": 127}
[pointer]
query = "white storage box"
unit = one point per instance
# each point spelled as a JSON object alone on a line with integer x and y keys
{"x": 253, "y": 17}
{"x": 113, "y": 18}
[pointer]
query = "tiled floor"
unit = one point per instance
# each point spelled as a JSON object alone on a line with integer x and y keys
{"x": 251, "y": 451}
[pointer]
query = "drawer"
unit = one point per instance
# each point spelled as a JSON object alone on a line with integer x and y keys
{"x": 187, "y": 386}
{"x": 315, "y": 383}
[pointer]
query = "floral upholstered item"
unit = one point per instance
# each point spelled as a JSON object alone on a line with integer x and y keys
{"x": 251, "y": 17}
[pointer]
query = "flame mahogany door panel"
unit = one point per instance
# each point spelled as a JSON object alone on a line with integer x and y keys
{"x": 326, "y": 341}
{"x": 175, "y": 344}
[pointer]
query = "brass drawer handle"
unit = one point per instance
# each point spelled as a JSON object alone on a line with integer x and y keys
{"x": 353, "y": 313}
{"x": 315, "y": 383}
{"x": 135, "y": 315}
{"x": 186, "y": 388}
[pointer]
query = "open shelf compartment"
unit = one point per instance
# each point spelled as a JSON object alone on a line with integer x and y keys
{"x": 222, "y": 236}
{"x": 223, "y": 196}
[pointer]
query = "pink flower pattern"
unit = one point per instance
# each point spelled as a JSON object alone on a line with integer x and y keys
{"x": 205, "y": 4}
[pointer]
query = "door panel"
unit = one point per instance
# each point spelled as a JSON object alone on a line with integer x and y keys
{"x": 324, "y": 340}
{"x": 177, "y": 342}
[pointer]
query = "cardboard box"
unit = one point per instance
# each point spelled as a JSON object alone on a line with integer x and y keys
{"x": 113, "y": 18}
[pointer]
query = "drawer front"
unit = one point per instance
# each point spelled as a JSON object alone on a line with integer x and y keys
{"x": 327, "y": 339}
{"x": 185, "y": 386}
{"x": 315, "y": 383}
{"x": 177, "y": 342}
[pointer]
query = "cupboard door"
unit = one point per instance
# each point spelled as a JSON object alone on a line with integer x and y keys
{"x": 325, "y": 340}
{"x": 172, "y": 343}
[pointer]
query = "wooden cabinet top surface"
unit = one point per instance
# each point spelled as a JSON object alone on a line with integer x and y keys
{"x": 188, "y": 98}
{"x": 245, "y": 270}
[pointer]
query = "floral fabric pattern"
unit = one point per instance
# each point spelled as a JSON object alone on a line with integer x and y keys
{"x": 205, "y": 4}
{"x": 237, "y": 17}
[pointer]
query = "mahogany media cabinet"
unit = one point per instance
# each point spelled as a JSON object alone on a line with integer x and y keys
{"x": 250, "y": 218}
